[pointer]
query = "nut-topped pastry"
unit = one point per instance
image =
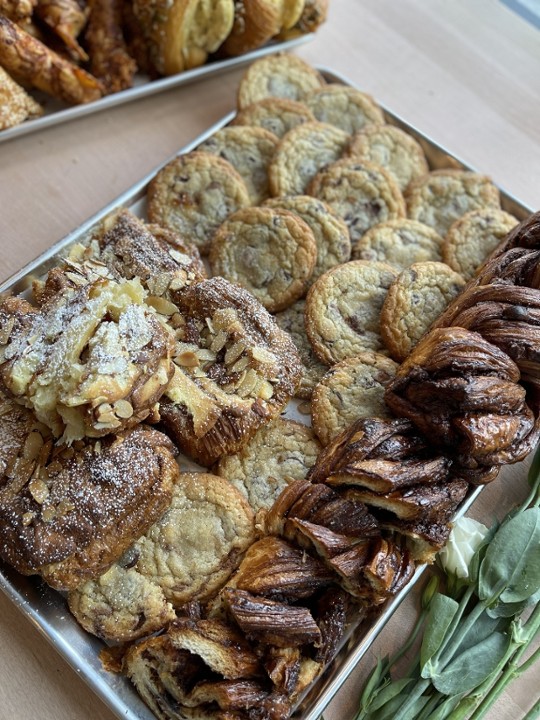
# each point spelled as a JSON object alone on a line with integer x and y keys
{"x": 235, "y": 370}
{"x": 67, "y": 513}
{"x": 93, "y": 359}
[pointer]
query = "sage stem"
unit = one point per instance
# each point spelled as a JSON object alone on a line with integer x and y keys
{"x": 534, "y": 712}
{"x": 415, "y": 693}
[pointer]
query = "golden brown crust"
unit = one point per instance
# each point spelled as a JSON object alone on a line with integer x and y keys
{"x": 235, "y": 370}
{"x": 109, "y": 57}
{"x": 91, "y": 360}
{"x": 34, "y": 63}
{"x": 17, "y": 10}
{"x": 400, "y": 243}
{"x": 66, "y": 18}
{"x": 69, "y": 512}
{"x": 270, "y": 252}
{"x": 255, "y": 22}
{"x": 16, "y": 105}
{"x": 313, "y": 15}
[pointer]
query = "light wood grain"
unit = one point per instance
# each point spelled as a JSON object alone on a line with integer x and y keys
{"x": 465, "y": 72}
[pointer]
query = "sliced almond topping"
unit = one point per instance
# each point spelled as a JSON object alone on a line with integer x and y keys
{"x": 162, "y": 306}
{"x": 248, "y": 383}
{"x": 241, "y": 364}
{"x": 262, "y": 355}
{"x": 187, "y": 359}
{"x": 49, "y": 513}
{"x": 38, "y": 490}
{"x": 5, "y": 332}
{"x": 210, "y": 325}
{"x": 32, "y": 446}
{"x": 27, "y": 518}
{"x": 180, "y": 258}
{"x": 123, "y": 409}
{"x": 265, "y": 390}
{"x": 64, "y": 507}
{"x": 103, "y": 409}
{"x": 177, "y": 321}
{"x": 234, "y": 352}
{"x": 218, "y": 343}
{"x": 177, "y": 283}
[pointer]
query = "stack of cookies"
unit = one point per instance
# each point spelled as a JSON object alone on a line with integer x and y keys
{"x": 331, "y": 248}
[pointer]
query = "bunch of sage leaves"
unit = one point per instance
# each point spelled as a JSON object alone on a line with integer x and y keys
{"x": 474, "y": 635}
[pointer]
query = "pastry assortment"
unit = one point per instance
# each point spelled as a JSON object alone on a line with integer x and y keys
{"x": 326, "y": 245}
{"x": 78, "y": 51}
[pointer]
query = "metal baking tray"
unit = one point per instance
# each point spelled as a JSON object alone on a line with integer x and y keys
{"x": 47, "y": 609}
{"x": 56, "y": 112}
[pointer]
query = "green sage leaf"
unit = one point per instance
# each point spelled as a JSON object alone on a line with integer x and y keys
{"x": 444, "y": 710}
{"x": 389, "y": 711}
{"x": 388, "y": 693}
{"x": 373, "y": 681}
{"x": 483, "y": 627}
{"x": 512, "y": 560}
{"x": 472, "y": 667}
{"x": 441, "y": 612}
{"x": 507, "y": 610}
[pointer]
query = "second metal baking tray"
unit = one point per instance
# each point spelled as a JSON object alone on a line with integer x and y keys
{"x": 56, "y": 112}
{"x": 47, "y": 609}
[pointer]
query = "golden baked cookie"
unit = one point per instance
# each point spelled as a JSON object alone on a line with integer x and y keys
{"x": 330, "y": 232}
{"x": 301, "y": 153}
{"x": 441, "y": 197}
{"x": 249, "y": 150}
{"x": 16, "y": 105}
{"x": 68, "y": 512}
{"x": 399, "y": 242}
{"x": 393, "y": 149}
{"x": 235, "y": 370}
{"x": 194, "y": 194}
{"x": 472, "y": 238}
{"x": 344, "y": 107}
{"x": 361, "y": 193}
{"x": 277, "y": 115}
{"x": 292, "y": 321}
{"x": 121, "y": 605}
{"x": 279, "y": 453}
{"x": 255, "y": 22}
{"x": 92, "y": 360}
{"x": 351, "y": 389}
{"x": 181, "y": 33}
{"x": 415, "y": 300}
{"x": 281, "y": 75}
{"x": 186, "y": 555}
{"x": 343, "y": 309}
{"x": 272, "y": 253}
{"x": 312, "y": 17}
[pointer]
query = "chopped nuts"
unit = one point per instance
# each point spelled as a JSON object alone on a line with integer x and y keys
{"x": 266, "y": 390}
{"x": 234, "y": 352}
{"x": 162, "y": 306}
{"x": 123, "y": 409}
{"x": 187, "y": 359}
{"x": 38, "y": 490}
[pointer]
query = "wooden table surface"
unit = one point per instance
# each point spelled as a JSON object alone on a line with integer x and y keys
{"x": 464, "y": 72}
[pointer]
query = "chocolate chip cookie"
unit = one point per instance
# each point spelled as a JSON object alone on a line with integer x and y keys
{"x": 272, "y": 253}
{"x": 362, "y": 194}
{"x": 400, "y": 243}
{"x": 416, "y": 298}
{"x": 277, "y": 115}
{"x": 345, "y": 107}
{"x": 343, "y": 309}
{"x": 194, "y": 194}
{"x": 441, "y": 197}
{"x": 351, "y": 389}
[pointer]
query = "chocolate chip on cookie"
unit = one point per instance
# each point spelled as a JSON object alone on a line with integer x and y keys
{"x": 345, "y": 107}
{"x": 473, "y": 237}
{"x": 281, "y": 75}
{"x": 301, "y": 153}
{"x": 362, "y": 194}
{"x": 249, "y": 150}
{"x": 441, "y": 197}
{"x": 416, "y": 298}
{"x": 271, "y": 253}
{"x": 194, "y": 194}
{"x": 279, "y": 453}
{"x": 399, "y": 242}
{"x": 330, "y": 232}
{"x": 351, "y": 389}
{"x": 393, "y": 149}
{"x": 343, "y": 309}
